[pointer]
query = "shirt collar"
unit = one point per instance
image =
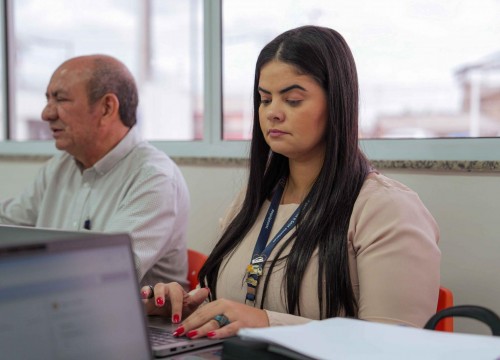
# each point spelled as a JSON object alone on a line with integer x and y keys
{"x": 130, "y": 141}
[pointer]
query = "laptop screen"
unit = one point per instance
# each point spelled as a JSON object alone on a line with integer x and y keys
{"x": 76, "y": 298}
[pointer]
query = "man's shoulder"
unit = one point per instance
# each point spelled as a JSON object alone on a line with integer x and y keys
{"x": 148, "y": 158}
{"x": 151, "y": 154}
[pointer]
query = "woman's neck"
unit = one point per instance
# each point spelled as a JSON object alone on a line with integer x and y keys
{"x": 300, "y": 181}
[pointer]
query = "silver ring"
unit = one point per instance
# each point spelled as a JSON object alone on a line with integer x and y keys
{"x": 152, "y": 293}
{"x": 222, "y": 320}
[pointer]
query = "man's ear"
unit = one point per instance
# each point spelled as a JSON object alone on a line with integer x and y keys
{"x": 110, "y": 106}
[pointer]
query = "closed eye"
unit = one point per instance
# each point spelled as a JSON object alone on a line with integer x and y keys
{"x": 294, "y": 102}
{"x": 265, "y": 101}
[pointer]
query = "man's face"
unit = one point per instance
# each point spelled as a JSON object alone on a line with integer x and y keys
{"x": 74, "y": 123}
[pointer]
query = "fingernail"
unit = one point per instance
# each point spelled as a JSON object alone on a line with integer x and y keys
{"x": 144, "y": 294}
{"x": 211, "y": 334}
{"x": 207, "y": 289}
{"x": 159, "y": 301}
{"x": 175, "y": 319}
{"x": 179, "y": 331}
{"x": 192, "y": 333}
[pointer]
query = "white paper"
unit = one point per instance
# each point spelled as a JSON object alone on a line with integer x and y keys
{"x": 341, "y": 338}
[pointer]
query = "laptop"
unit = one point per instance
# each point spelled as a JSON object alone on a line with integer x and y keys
{"x": 67, "y": 295}
{"x": 163, "y": 343}
{"x": 75, "y": 295}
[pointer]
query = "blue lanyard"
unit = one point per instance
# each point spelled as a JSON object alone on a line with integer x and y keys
{"x": 261, "y": 252}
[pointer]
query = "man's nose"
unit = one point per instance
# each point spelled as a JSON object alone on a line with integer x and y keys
{"x": 49, "y": 112}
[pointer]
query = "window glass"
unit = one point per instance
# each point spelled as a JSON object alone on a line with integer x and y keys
{"x": 159, "y": 40}
{"x": 426, "y": 68}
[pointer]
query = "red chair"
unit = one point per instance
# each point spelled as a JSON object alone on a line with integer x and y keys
{"x": 195, "y": 262}
{"x": 445, "y": 300}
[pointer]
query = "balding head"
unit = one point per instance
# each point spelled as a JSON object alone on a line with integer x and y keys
{"x": 107, "y": 74}
{"x": 91, "y": 106}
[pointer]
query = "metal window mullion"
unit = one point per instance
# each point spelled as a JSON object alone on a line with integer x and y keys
{"x": 11, "y": 52}
{"x": 212, "y": 45}
{"x": 8, "y": 70}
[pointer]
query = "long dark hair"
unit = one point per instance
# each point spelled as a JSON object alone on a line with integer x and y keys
{"x": 324, "y": 55}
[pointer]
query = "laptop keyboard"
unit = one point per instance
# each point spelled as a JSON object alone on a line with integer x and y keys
{"x": 161, "y": 337}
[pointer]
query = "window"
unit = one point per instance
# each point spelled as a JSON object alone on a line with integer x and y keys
{"x": 427, "y": 69}
{"x": 194, "y": 63}
{"x": 159, "y": 40}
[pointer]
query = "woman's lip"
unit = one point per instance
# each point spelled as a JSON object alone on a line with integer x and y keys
{"x": 275, "y": 132}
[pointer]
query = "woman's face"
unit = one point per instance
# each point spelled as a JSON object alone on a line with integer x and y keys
{"x": 293, "y": 112}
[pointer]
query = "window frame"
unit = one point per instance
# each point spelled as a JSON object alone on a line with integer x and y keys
{"x": 213, "y": 145}
{"x": 4, "y": 23}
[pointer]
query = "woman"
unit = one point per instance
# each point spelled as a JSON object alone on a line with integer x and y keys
{"x": 342, "y": 239}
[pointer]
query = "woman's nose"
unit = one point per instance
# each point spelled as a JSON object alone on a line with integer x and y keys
{"x": 275, "y": 113}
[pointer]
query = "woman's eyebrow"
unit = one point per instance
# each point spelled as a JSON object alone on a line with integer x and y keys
{"x": 291, "y": 87}
{"x": 282, "y": 91}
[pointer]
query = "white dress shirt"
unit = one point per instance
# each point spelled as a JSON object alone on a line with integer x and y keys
{"x": 135, "y": 188}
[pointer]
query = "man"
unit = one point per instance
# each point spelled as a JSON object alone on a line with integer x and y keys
{"x": 106, "y": 179}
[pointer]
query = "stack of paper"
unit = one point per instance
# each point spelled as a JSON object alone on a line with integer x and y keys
{"x": 340, "y": 338}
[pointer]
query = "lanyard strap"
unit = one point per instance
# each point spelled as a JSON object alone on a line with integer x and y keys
{"x": 261, "y": 252}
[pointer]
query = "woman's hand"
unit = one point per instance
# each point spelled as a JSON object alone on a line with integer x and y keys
{"x": 172, "y": 300}
{"x": 202, "y": 322}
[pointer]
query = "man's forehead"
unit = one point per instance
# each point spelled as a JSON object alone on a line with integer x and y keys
{"x": 75, "y": 69}
{"x": 67, "y": 77}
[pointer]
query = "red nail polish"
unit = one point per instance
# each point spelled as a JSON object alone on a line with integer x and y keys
{"x": 175, "y": 319}
{"x": 159, "y": 301}
{"x": 179, "y": 331}
{"x": 192, "y": 333}
{"x": 144, "y": 294}
{"x": 211, "y": 334}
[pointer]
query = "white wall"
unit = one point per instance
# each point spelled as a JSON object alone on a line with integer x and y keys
{"x": 466, "y": 206}
{"x": 212, "y": 190}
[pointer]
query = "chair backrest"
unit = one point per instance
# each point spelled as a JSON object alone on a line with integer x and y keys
{"x": 445, "y": 300}
{"x": 477, "y": 312}
{"x": 196, "y": 260}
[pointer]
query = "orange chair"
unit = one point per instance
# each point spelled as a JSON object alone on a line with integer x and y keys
{"x": 195, "y": 262}
{"x": 445, "y": 300}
